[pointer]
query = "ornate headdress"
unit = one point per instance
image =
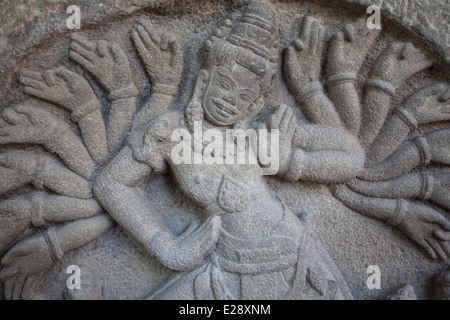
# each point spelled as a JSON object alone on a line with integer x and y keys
{"x": 252, "y": 42}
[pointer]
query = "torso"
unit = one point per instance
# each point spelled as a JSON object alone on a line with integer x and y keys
{"x": 211, "y": 185}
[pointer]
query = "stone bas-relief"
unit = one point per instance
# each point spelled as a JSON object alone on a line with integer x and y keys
{"x": 76, "y": 186}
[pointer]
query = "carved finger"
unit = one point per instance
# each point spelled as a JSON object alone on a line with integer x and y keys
{"x": 445, "y": 245}
{"x": 75, "y": 56}
{"x": 350, "y": 32}
{"x": 35, "y": 75}
{"x": 408, "y": 51}
{"x": 437, "y": 248}
{"x": 393, "y": 50}
{"x": 305, "y": 29}
{"x": 7, "y": 273}
{"x": 8, "y": 287}
{"x": 87, "y": 54}
{"x": 117, "y": 54}
{"x": 12, "y": 117}
{"x": 285, "y": 119}
{"x": 445, "y": 97}
{"x": 420, "y": 63}
{"x": 165, "y": 38}
{"x": 315, "y": 27}
{"x": 319, "y": 43}
{"x": 49, "y": 77}
{"x": 138, "y": 43}
{"x": 35, "y": 84}
{"x": 28, "y": 287}
{"x": 148, "y": 28}
{"x": 441, "y": 235}
{"x": 175, "y": 49}
{"x": 18, "y": 286}
{"x": 83, "y": 42}
{"x": 67, "y": 75}
{"x": 428, "y": 249}
{"x": 102, "y": 48}
{"x": 145, "y": 39}
{"x": 336, "y": 46}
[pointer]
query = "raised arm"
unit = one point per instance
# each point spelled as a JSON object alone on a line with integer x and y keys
{"x": 163, "y": 60}
{"x": 72, "y": 92}
{"x": 346, "y": 55}
{"x": 302, "y": 67}
{"x": 430, "y": 104}
{"x": 107, "y": 62}
{"x": 25, "y": 124}
{"x": 397, "y": 63}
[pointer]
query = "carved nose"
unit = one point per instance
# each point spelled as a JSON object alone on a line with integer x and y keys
{"x": 230, "y": 98}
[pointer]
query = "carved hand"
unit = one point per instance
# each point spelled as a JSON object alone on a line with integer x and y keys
{"x": 22, "y": 267}
{"x": 59, "y": 86}
{"x": 348, "y": 49}
{"x": 25, "y": 124}
{"x": 190, "y": 248}
{"x": 399, "y": 62}
{"x": 428, "y": 229}
{"x": 430, "y": 104}
{"x": 161, "y": 55}
{"x": 15, "y": 218}
{"x": 302, "y": 60}
{"x": 284, "y": 120}
{"x": 16, "y": 170}
{"x": 105, "y": 60}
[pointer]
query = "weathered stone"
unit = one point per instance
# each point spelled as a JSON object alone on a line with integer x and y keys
{"x": 93, "y": 173}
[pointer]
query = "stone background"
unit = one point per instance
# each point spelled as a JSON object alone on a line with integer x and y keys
{"x": 34, "y": 34}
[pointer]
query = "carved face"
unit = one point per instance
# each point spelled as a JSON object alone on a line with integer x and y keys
{"x": 229, "y": 94}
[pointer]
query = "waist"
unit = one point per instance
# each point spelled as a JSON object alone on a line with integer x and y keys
{"x": 254, "y": 256}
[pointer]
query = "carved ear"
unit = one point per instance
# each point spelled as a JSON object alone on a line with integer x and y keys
{"x": 202, "y": 82}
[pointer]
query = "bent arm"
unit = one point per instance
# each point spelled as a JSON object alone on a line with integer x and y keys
{"x": 324, "y": 154}
{"x": 117, "y": 190}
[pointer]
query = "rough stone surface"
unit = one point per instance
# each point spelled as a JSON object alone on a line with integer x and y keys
{"x": 88, "y": 169}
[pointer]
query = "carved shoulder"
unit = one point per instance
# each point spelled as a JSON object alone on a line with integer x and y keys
{"x": 149, "y": 142}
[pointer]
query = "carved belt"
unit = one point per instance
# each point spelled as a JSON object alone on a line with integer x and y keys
{"x": 254, "y": 256}
{"x": 233, "y": 196}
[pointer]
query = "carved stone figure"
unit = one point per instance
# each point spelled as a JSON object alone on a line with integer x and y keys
{"x": 242, "y": 240}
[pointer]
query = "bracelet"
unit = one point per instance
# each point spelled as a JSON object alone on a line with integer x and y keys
{"x": 408, "y": 119}
{"x": 315, "y": 88}
{"x": 294, "y": 171}
{"x": 36, "y": 211}
{"x": 124, "y": 93}
{"x": 424, "y": 149}
{"x": 85, "y": 110}
{"x": 165, "y": 89}
{"x": 427, "y": 185}
{"x": 343, "y": 77}
{"x": 40, "y": 171}
{"x": 398, "y": 214}
{"x": 51, "y": 237}
{"x": 381, "y": 85}
{"x": 52, "y": 142}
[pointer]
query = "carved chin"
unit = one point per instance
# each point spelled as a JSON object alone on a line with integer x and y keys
{"x": 214, "y": 119}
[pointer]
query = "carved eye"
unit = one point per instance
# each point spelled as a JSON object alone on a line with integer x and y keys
{"x": 244, "y": 97}
{"x": 224, "y": 85}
